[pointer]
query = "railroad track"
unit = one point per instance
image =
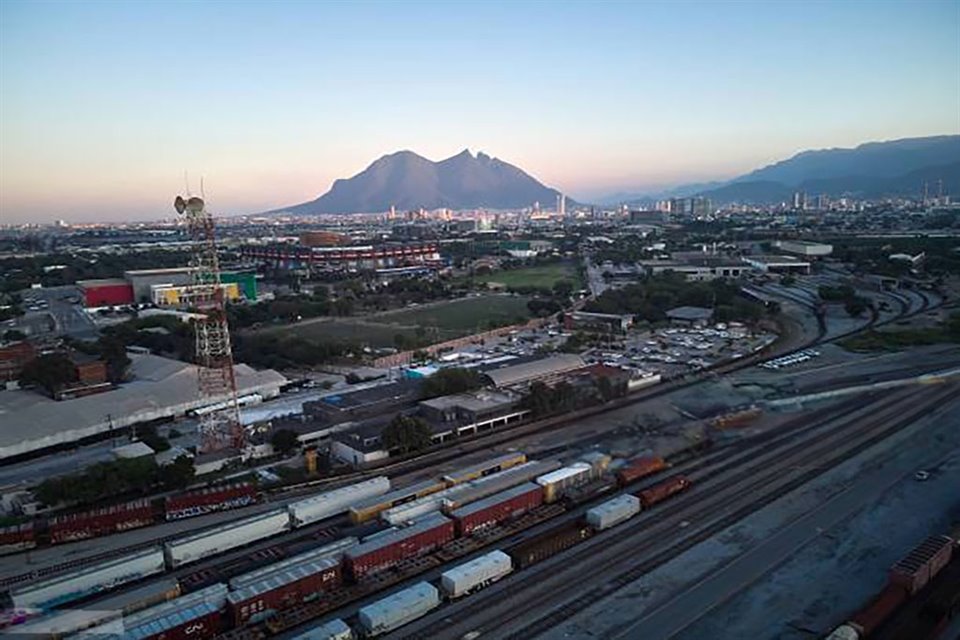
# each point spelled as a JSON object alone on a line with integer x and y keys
{"x": 478, "y": 443}
{"x": 622, "y": 542}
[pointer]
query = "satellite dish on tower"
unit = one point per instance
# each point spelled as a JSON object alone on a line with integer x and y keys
{"x": 180, "y": 204}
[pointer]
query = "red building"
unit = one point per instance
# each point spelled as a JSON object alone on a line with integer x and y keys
{"x": 106, "y": 293}
{"x": 13, "y": 357}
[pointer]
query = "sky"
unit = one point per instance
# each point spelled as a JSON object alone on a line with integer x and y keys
{"x": 105, "y": 106}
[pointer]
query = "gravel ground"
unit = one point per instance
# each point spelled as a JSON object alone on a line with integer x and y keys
{"x": 824, "y": 581}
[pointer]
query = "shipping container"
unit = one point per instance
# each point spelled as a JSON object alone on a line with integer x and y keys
{"x": 398, "y": 609}
{"x": 214, "y": 595}
{"x": 613, "y": 512}
{"x": 662, "y": 491}
{"x": 228, "y": 536}
{"x": 869, "y": 619}
{"x": 497, "y": 508}
{"x": 596, "y": 459}
{"x": 476, "y": 574}
{"x": 335, "y": 629}
{"x": 197, "y": 622}
{"x": 17, "y": 537}
{"x": 915, "y": 570}
{"x": 555, "y": 482}
{"x": 100, "y": 522}
{"x": 334, "y": 550}
{"x": 278, "y": 591}
{"x": 641, "y": 468}
{"x": 89, "y": 580}
{"x": 384, "y": 551}
{"x": 335, "y": 502}
{"x": 413, "y": 510}
{"x": 208, "y": 500}
{"x": 474, "y": 490}
{"x": 548, "y": 543}
{"x": 370, "y": 508}
{"x": 485, "y": 468}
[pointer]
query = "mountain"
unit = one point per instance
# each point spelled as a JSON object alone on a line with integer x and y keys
{"x": 871, "y": 170}
{"x": 407, "y": 181}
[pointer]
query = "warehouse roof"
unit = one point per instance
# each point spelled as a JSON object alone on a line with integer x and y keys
{"x": 528, "y": 371}
{"x": 101, "y": 282}
{"x": 161, "y": 388}
{"x": 477, "y": 402}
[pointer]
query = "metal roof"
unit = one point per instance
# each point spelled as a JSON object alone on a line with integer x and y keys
{"x": 167, "y": 622}
{"x": 524, "y": 372}
{"x": 489, "y": 501}
{"x": 428, "y": 522}
{"x": 690, "y": 313}
{"x": 333, "y": 550}
{"x": 562, "y": 474}
{"x": 400, "y": 600}
{"x": 281, "y": 578}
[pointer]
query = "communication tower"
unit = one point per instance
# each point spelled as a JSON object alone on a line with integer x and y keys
{"x": 221, "y": 428}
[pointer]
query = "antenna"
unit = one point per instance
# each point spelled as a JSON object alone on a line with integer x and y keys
{"x": 186, "y": 183}
{"x": 202, "y": 194}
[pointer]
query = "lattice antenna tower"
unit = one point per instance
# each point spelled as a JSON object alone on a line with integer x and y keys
{"x": 221, "y": 428}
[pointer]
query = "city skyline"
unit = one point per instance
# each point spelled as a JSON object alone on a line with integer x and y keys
{"x": 104, "y": 106}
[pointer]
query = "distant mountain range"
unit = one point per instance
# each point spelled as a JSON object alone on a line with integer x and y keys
{"x": 408, "y": 181}
{"x": 872, "y": 170}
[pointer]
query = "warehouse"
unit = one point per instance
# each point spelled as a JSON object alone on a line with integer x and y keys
{"x": 806, "y": 248}
{"x": 143, "y": 281}
{"x": 541, "y": 369}
{"x": 162, "y": 388}
{"x": 107, "y": 292}
{"x": 778, "y": 264}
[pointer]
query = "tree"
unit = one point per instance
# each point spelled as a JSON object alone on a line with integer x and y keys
{"x": 178, "y": 474}
{"x": 285, "y": 441}
{"x": 49, "y": 372}
{"x": 856, "y": 305}
{"x": 149, "y": 436}
{"x": 12, "y": 335}
{"x": 449, "y": 381}
{"x": 563, "y": 289}
{"x": 114, "y": 353}
{"x": 406, "y": 433}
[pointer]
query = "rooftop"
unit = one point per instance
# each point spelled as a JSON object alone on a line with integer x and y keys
{"x": 527, "y": 371}
{"x": 777, "y": 259}
{"x": 161, "y": 388}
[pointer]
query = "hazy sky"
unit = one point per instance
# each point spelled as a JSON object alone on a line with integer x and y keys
{"x": 104, "y": 105}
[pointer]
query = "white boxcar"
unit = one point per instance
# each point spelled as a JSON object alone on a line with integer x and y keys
{"x": 613, "y": 512}
{"x": 335, "y": 629}
{"x": 556, "y": 482}
{"x": 412, "y": 510}
{"x": 228, "y": 536}
{"x": 332, "y": 550}
{"x": 87, "y": 581}
{"x": 475, "y": 574}
{"x": 337, "y": 501}
{"x": 399, "y": 608}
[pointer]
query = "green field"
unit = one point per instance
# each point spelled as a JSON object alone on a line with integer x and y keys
{"x": 539, "y": 276}
{"x": 429, "y": 323}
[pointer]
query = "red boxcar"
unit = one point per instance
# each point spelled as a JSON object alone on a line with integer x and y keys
{"x": 497, "y": 508}
{"x": 17, "y": 537}
{"x": 641, "y": 467}
{"x": 194, "y": 503}
{"x": 923, "y": 562}
{"x": 384, "y": 550}
{"x": 99, "y": 522}
{"x": 868, "y": 619}
{"x": 660, "y": 492}
{"x": 283, "y": 590}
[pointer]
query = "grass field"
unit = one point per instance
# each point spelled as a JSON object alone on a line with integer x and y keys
{"x": 436, "y": 322}
{"x": 539, "y": 276}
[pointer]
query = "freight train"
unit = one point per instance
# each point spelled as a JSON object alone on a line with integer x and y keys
{"x": 93, "y": 523}
{"x": 322, "y": 573}
{"x": 906, "y": 579}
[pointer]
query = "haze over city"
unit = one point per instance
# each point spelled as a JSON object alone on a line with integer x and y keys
{"x": 104, "y": 105}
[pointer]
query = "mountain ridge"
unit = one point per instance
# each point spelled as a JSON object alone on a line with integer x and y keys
{"x": 406, "y": 180}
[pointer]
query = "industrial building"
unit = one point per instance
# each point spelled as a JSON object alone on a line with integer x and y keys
{"x": 698, "y": 267}
{"x": 805, "y": 248}
{"x": 541, "y": 369}
{"x": 778, "y": 264}
{"x": 385, "y": 256}
{"x": 162, "y": 388}
{"x": 602, "y": 322}
{"x": 690, "y": 316}
{"x": 160, "y": 286}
